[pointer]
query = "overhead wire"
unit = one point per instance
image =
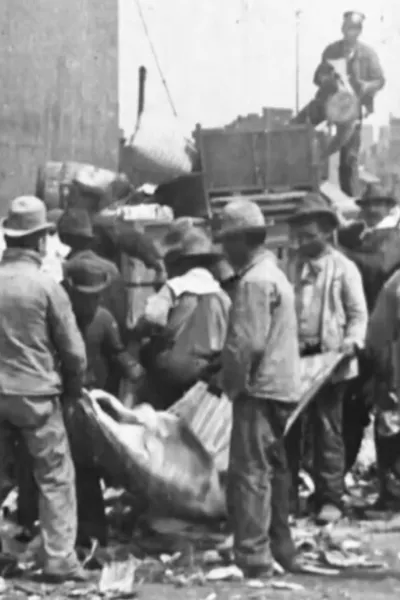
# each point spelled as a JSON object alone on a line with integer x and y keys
{"x": 154, "y": 52}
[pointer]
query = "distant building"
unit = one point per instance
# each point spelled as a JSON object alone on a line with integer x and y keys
{"x": 59, "y": 87}
{"x": 268, "y": 119}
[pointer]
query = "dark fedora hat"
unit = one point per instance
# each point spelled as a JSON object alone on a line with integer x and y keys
{"x": 312, "y": 206}
{"x": 86, "y": 274}
{"x": 75, "y": 221}
{"x": 376, "y": 193}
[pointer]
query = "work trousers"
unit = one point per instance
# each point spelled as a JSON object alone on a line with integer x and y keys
{"x": 314, "y": 113}
{"x": 90, "y": 503}
{"x": 259, "y": 482}
{"x": 39, "y": 422}
{"x": 326, "y": 418}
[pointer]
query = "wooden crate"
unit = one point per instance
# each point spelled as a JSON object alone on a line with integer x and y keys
{"x": 251, "y": 161}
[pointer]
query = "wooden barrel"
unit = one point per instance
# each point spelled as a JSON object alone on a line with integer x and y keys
{"x": 52, "y": 176}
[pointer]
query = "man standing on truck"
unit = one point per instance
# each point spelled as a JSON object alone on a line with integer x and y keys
{"x": 41, "y": 352}
{"x": 366, "y": 78}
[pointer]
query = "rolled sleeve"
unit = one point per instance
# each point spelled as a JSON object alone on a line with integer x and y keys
{"x": 66, "y": 338}
{"x": 355, "y": 306}
{"x": 246, "y": 338}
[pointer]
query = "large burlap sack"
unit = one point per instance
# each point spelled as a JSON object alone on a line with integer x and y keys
{"x": 156, "y": 457}
{"x": 159, "y": 151}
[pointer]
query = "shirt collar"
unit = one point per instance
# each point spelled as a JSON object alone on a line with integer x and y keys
{"x": 257, "y": 257}
{"x": 21, "y": 255}
{"x": 197, "y": 281}
{"x": 313, "y": 267}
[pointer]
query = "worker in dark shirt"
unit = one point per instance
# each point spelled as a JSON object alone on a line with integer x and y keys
{"x": 366, "y": 78}
{"x": 86, "y": 279}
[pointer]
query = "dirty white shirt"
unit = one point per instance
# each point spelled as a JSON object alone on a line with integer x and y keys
{"x": 311, "y": 300}
{"x": 197, "y": 281}
{"x": 56, "y": 253}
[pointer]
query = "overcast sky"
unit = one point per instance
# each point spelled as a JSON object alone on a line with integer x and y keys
{"x": 222, "y": 58}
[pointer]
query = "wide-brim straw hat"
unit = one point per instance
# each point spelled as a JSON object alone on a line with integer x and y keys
{"x": 239, "y": 216}
{"x": 86, "y": 275}
{"x": 376, "y": 193}
{"x": 27, "y": 215}
{"x": 312, "y": 206}
{"x": 186, "y": 240}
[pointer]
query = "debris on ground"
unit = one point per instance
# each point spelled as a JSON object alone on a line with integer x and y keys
{"x": 118, "y": 578}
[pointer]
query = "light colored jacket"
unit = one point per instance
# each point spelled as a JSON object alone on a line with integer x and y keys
{"x": 344, "y": 310}
{"x": 261, "y": 354}
{"x": 39, "y": 339}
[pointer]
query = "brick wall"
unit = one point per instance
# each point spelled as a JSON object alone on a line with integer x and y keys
{"x": 58, "y": 87}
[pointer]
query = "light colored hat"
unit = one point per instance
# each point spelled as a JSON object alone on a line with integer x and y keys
{"x": 185, "y": 241}
{"x": 26, "y": 215}
{"x": 240, "y": 215}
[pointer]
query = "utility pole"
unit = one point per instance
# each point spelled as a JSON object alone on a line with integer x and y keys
{"x": 298, "y": 15}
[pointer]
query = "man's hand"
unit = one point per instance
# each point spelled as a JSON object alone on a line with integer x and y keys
{"x": 349, "y": 348}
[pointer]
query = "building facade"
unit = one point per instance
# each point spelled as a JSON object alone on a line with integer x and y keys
{"x": 58, "y": 87}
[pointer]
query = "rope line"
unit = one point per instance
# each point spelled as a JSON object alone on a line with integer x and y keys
{"x": 153, "y": 50}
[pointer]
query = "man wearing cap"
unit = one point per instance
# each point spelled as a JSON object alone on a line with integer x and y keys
{"x": 185, "y": 322}
{"x": 261, "y": 375}
{"x": 42, "y": 355}
{"x": 366, "y": 79}
{"x": 332, "y": 316}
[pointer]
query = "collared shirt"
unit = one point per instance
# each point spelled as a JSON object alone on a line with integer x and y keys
{"x": 197, "y": 281}
{"x": 261, "y": 353}
{"x": 310, "y": 300}
{"x": 39, "y": 337}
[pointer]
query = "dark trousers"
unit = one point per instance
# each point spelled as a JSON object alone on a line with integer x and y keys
{"x": 314, "y": 113}
{"x": 259, "y": 482}
{"x": 388, "y": 459}
{"x": 91, "y": 511}
{"x": 329, "y": 450}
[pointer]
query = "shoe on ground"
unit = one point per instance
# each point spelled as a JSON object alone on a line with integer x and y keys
{"x": 264, "y": 573}
{"x": 329, "y": 514}
{"x": 290, "y": 564}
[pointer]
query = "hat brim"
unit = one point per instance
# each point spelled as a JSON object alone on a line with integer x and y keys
{"x": 375, "y": 200}
{"x": 86, "y": 289}
{"x": 314, "y": 214}
{"x": 219, "y": 236}
{"x": 174, "y": 255}
{"x": 17, "y": 233}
